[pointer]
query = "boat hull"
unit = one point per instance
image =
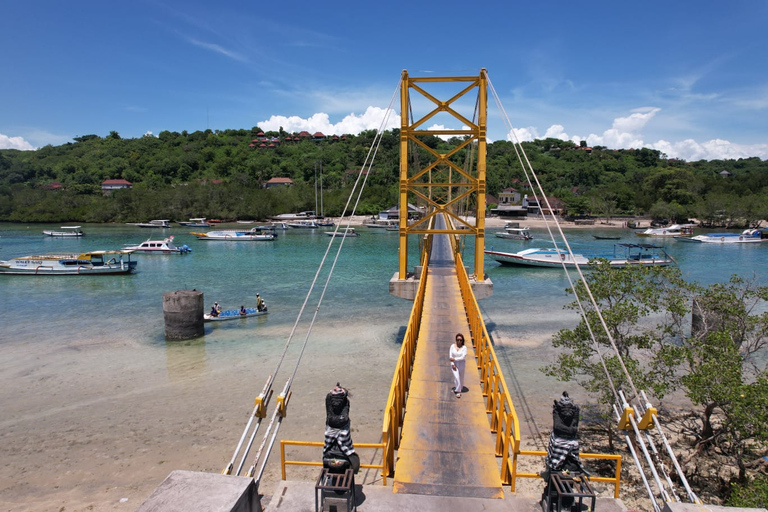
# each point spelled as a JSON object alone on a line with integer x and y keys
{"x": 551, "y": 258}
{"x": 233, "y": 314}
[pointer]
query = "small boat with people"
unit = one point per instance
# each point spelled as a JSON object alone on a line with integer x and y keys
{"x": 233, "y": 314}
{"x": 165, "y": 246}
{"x": 255, "y": 234}
{"x": 93, "y": 263}
{"x": 66, "y": 232}
{"x": 748, "y": 236}
{"x": 670, "y": 231}
{"x": 158, "y": 223}
{"x": 195, "y": 222}
{"x": 623, "y": 255}
{"x": 343, "y": 232}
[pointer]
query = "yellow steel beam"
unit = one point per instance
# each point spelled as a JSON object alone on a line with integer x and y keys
{"x": 442, "y": 195}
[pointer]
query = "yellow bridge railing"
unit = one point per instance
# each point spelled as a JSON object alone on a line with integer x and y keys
{"x": 284, "y": 462}
{"x": 503, "y": 417}
{"x": 394, "y": 410}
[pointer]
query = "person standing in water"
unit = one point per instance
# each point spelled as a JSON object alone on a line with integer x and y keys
{"x": 458, "y": 354}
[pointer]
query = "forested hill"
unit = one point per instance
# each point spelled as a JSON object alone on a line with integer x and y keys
{"x": 220, "y": 174}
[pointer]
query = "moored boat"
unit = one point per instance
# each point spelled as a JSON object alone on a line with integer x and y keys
{"x": 165, "y": 246}
{"x": 284, "y": 217}
{"x": 748, "y": 236}
{"x": 673, "y": 230}
{"x": 195, "y": 222}
{"x": 623, "y": 255}
{"x": 233, "y": 314}
{"x": 345, "y": 232}
{"x": 66, "y": 231}
{"x": 160, "y": 223}
{"x": 85, "y": 263}
{"x": 381, "y": 224}
{"x": 515, "y": 233}
{"x": 257, "y": 234}
{"x": 302, "y": 224}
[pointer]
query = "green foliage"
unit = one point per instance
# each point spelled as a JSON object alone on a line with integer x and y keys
{"x": 720, "y": 364}
{"x": 753, "y": 494}
{"x": 630, "y": 300}
{"x": 598, "y": 182}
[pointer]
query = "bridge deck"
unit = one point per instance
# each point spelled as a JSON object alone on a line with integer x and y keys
{"x": 447, "y": 448}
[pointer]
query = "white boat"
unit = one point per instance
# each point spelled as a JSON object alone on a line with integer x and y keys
{"x": 382, "y": 224}
{"x": 154, "y": 224}
{"x": 257, "y": 234}
{"x": 165, "y": 246}
{"x": 302, "y": 224}
{"x": 345, "y": 232}
{"x": 86, "y": 263}
{"x": 195, "y": 222}
{"x": 67, "y": 231}
{"x": 233, "y": 314}
{"x": 279, "y": 225}
{"x": 284, "y": 217}
{"x": 516, "y": 233}
{"x": 623, "y": 255}
{"x": 673, "y": 230}
{"x": 748, "y": 236}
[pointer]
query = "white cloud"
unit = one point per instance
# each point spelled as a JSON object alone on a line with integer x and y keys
{"x": 372, "y": 119}
{"x": 716, "y": 149}
{"x": 7, "y": 142}
{"x": 624, "y": 133}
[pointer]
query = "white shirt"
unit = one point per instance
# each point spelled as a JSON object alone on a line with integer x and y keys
{"x": 458, "y": 354}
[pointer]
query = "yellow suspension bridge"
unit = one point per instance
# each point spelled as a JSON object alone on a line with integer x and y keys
{"x": 437, "y": 452}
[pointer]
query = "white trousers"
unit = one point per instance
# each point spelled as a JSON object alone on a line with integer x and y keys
{"x": 458, "y": 375}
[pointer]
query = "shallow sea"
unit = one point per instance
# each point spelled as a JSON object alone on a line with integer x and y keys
{"x": 77, "y": 352}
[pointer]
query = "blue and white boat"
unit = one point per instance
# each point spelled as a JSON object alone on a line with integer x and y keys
{"x": 92, "y": 263}
{"x": 748, "y": 236}
{"x": 234, "y": 314}
{"x": 257, "y": 234}
{"x": 623, "y": 255}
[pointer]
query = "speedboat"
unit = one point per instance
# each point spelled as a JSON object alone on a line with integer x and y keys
{"x": 284, "y": 217}
{"x": 154, "y": 224}
{"x": 345, "y": 232}
{"x": 159, "y": 247}
{"x": 748, "y": 236}
{"x": 67, "y": 231}
{"x": 234, "y": 314}
{"x": 382, "y": 224}
{"x": 673, "y": 230}
{"x": 623, "y": 255}
{"x": 516, "y": 233}
{"x": 257, "y": 234}
{"x": 195, "y": 222}
{"x": 81, "y": 264}
{"x": 302, "y": 224}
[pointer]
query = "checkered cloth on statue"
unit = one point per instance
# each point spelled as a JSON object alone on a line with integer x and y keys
{"x": 337, "y": 424}
{"x": 565, "y": 427}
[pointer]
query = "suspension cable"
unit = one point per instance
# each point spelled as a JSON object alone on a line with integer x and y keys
{"x": 282, "y": 401}
{"x": 644, "y": 405}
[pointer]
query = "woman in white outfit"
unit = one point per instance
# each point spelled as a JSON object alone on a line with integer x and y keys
{"x": 458, "y": 354}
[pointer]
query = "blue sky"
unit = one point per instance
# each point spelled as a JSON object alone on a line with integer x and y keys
{"x": 687, "y": 78}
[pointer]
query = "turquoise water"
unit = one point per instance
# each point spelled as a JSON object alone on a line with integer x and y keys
{"x": 85, "y": 368}
{"x": 66, "y": 309}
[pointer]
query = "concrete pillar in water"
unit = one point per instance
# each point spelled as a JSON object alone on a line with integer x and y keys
{"x": 183, "y": 314}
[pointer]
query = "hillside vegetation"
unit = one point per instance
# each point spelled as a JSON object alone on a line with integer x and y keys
{"x": 217, "y": 174}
